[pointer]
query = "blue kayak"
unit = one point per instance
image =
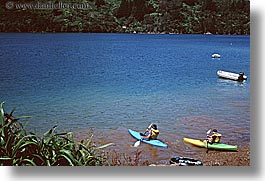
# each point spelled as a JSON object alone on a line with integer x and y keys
{"x": 137, "y": 136}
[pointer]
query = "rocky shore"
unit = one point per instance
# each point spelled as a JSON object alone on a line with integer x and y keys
{"x": 220, "y": 158}
{"x": 239, "y": 158}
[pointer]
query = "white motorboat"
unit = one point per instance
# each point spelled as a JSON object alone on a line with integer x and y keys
{"x": 216, "y": 55}
{"x": 232, "y": 76}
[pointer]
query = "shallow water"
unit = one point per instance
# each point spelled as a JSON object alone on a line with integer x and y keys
{"x": 112, "y": 82}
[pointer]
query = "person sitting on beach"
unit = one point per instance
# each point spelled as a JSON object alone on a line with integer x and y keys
{"x": 150, "y": 134}
{"x": 214, "y": 136}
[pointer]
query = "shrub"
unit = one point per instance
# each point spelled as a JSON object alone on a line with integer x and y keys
{"x": 19, "y": 148}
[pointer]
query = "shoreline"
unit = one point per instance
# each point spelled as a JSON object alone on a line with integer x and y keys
{"x": 239, "y": 158}
{"x": 222, "y": 158}
{"x": 147, "y": 155}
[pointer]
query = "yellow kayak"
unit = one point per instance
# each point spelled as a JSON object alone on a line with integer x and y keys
{"x": 214, "y": 146}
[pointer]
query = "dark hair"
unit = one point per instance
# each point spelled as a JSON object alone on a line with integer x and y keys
{"x": 154, "y": 126}
{"x": 214, "y": 130}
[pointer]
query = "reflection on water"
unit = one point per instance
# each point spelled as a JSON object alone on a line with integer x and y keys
{"x": 222, "y": 81}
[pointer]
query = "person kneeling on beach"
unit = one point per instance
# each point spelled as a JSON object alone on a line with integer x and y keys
{"x": 214, "y": 136}
{"x": 150, "y": 134}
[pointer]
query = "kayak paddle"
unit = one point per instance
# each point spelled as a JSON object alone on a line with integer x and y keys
{"x": 137, "y": 143}
{"x": 208, "y": 132}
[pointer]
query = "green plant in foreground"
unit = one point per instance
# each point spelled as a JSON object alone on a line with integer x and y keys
{"x": 18, "y": 148}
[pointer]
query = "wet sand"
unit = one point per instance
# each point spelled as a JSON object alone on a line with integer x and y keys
{"x": 239, "y": 158}
{"x": 221, "y": 158}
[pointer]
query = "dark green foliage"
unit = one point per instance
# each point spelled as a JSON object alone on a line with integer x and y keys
{"x": 18, "y": 148}
{"x": 137, "y": 9}
{"x": 144, "y": 16}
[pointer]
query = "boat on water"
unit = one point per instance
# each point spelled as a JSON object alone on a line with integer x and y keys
{"x": 213, "y": 146}
{"x": 156, "y": 142}
{"x": 232, "y": 76}
{"x": 216, "y": 55}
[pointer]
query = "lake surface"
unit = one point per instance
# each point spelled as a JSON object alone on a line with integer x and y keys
{"x": 112, "y": 82}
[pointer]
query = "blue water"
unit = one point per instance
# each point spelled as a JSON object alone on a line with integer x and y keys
{"x": 112, "y": 82}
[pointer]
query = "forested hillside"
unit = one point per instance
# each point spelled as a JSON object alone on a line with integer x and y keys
{"x": 131, "y": 16}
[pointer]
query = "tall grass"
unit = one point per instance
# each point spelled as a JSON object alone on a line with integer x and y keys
{"x": 19, "y": 148}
